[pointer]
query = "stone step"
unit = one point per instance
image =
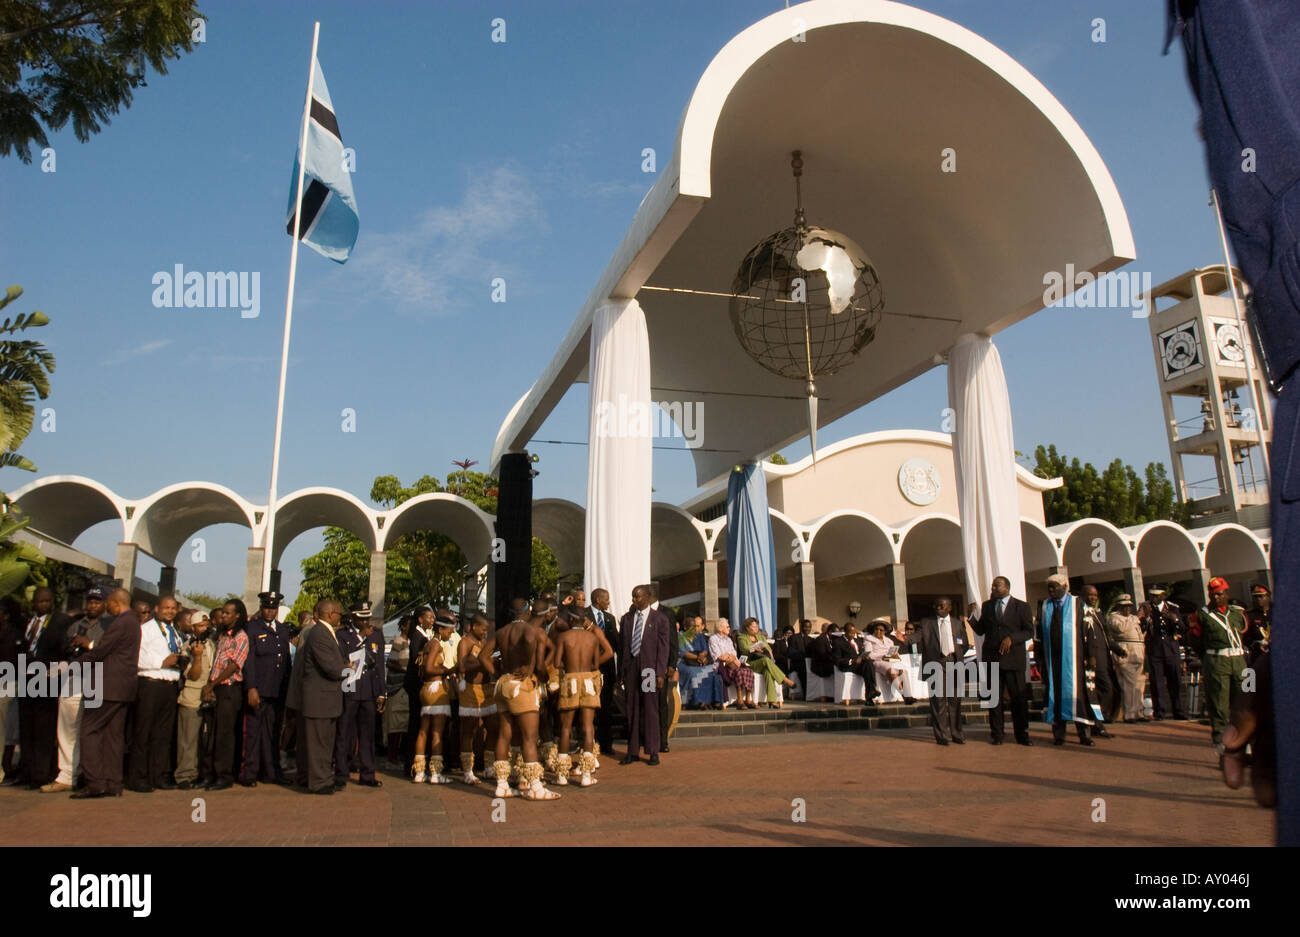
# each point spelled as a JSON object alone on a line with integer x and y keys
{"x": 857, "y": 723}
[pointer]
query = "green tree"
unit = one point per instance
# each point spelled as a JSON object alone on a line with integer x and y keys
{"x": 81, "y": 61}
{"x": 544, "y": 571}
{"x": 22, "y": 566}
{"x": 341, "y": 570}
{"x": 1118, "y": 494}
{"x": 207, "y": 601}
{"x": 778, "y": 459}
{"x": 25, "y": 369}
{"x": 423, "y": 567}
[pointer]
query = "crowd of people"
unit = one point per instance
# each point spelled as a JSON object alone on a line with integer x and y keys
{"x": 192, "y": 698}
{"x": 1121, "y": 655}
{"x": 189, "y": 698}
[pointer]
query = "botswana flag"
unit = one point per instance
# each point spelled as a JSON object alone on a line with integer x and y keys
{"x": 329, "y": 209}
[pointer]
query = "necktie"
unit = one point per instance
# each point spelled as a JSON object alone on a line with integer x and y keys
{"x": 172, "y": 643}
{"x": 1060, "y": 604}
{"x": 1002, "y": 607}
{"x": 33, "y": 632}
{"x": 945, "y": 636}
{"x": 636, "y": 633}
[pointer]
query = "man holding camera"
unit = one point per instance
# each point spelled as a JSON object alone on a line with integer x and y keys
{"x": 193, "y": 715}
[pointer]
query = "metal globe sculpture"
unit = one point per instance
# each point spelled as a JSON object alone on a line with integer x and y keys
{"x": 805, "y": 301}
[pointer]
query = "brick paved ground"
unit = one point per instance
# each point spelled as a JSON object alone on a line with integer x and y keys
{"x": 1159, "y": 784}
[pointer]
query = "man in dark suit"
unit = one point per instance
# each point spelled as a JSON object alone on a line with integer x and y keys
{"x": 103, "y": 727}
{"x": 942, "y": 640}
{"x": 606, "y": 622}
{"x": 264, "y": 674}
{"x": 1006, "y": 623}
{"x": 38, "y": 717}
{"x": 647, "y": 633}
{"x": 322, "y": 696}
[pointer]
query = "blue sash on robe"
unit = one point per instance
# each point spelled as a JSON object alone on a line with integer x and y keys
{"x": 1071, "y": 698}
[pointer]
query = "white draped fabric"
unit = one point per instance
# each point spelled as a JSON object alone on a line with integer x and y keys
{"x": 617, "y": 554}
{"x": 984, "y": 454}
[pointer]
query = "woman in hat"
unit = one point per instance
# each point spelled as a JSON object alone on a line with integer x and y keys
{"x": 1124, "y": 632}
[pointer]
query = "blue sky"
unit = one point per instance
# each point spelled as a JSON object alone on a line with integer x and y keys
{"x": 476, "y": 160}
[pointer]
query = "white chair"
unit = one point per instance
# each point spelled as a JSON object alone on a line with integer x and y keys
{"x": 760, "y": 691}
{"x": 849, "y": 686}
{"x": 910, "y": 664}
{"x": 819, "y": 687}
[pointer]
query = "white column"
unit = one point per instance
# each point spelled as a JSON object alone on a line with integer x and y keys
{"x": 984, "y": 455}
{"x": 617, "y": 551}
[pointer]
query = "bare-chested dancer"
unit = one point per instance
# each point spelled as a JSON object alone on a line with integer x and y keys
{"x": 543, "y": 616}
{"x": 476, "y": 706}
{"x": 523, "y": 654}
{"x": 580, "y": 650}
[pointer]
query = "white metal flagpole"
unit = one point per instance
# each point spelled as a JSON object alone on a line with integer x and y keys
{"x": 268, "y": 540}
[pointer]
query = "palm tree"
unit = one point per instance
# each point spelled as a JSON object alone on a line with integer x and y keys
{"x": 25, "y": 367}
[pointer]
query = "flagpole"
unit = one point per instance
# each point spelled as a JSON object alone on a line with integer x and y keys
{"x": 269, "y": 537}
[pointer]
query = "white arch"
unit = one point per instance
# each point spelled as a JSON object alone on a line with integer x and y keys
{"x": 677, "y": 541}
{"x": 309, "y": 508}
{"x": 1231, "y": 549}
{"x": 1118, "y": 546}
{"x": 561, "y": 524}
{"x": 1178, "y": 551}
{"x": 66, "y": 506}
{"x": 695, "y": 138}
{"x": 164, "y": 520}
{"x": 1068, "y": 164}
{"x": 445, "y": 513}
{"x": 943, "y": 555}
{"x": 1038, "y": 545}
{"x": 780, "y": 541}
{"x": 880, "y": 552}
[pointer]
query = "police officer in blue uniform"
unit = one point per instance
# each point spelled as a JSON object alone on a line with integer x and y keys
{"x": 362, "y": 698}
{"x": 265, "y": 675}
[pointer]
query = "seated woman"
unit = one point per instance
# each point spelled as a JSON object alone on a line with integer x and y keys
{"x": 722, "y": 650}
{"x": 884, "y": 659}
{"x": 758, "y": 654}
{"x": 697, "y": 672}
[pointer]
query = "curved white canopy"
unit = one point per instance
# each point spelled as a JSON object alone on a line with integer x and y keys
{"x": 873, "y": 97}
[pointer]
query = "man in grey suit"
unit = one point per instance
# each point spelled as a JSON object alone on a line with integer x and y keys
{"x": 942, "y": 640}
{"x": 320, "y": 695}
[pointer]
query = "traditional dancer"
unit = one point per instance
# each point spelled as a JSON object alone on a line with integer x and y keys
{"x": 435, "y": 706}
{"x": 580, "y": 651}
{"x": 476, "y": 709}
{"x": 522, "y": 647}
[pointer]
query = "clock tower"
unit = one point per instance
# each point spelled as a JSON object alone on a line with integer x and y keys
{"x": 1210, "y": 382}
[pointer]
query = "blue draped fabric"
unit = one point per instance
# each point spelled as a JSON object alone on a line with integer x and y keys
{"x": 751, "y": 558}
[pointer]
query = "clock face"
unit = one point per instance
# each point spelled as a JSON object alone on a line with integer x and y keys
{"x": 918, "y": 480}
{"x": 1180, "y": 350}
{"x": 1228, "y": 346}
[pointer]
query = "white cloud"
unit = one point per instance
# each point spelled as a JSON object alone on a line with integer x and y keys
{"x": 452, "y": 250}
{"x": 148, "y": 348}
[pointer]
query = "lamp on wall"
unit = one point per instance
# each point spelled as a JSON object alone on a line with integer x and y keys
{"x": 854, "y": 607}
